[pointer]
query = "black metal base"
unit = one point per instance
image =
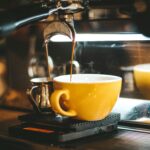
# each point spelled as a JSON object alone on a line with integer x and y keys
{"x": 55, "y": 128}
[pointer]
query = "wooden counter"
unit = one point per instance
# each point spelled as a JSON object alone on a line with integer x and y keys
{"x": 120, "y": 140}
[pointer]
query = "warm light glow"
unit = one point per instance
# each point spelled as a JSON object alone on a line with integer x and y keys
{"x": 60, "y": 38}
{"x": 101, "y": 37}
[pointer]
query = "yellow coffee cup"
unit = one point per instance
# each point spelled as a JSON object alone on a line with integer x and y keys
{"x": 142, "y": 79}
{"x": 87, "y": 97}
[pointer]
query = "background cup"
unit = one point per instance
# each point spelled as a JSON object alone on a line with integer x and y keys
{"x": 87, "y": 97}
{"x": 142, "y": 79}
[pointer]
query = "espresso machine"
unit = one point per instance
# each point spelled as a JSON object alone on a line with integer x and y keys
{"x": 16, "y": 18}
{"x": 61, "y": 16}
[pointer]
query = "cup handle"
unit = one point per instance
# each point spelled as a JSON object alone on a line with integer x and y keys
{"x": 31, "y": 99}
{"x": 55, "y": 103}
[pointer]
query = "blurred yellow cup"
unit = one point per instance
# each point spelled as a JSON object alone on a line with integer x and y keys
{"x": 142, "y": 79}
{"x": 87, "y": 97}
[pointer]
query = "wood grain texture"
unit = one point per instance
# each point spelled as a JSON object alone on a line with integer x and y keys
{"x": 119, "y": 140}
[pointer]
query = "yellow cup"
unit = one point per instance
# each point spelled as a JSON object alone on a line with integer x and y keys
{"x": 142, "y": 79}
{"x": 87, "y": 97}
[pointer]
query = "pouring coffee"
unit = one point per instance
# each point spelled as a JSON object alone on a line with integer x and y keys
{"x": 82, "y": 96}
{"x": 64, "y": 27}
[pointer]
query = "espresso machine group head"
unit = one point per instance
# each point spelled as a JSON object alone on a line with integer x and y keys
{"x": 10, "y": 20}
{"x": 18, "y": 17}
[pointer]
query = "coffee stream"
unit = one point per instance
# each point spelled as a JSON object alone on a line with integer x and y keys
{"x": 72, "y": 54}
{"x": 73, "y": 49}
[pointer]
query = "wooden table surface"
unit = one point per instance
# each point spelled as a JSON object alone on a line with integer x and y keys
{"x": 120, "y": 140}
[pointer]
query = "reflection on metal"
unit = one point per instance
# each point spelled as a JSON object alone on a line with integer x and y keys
{"x": 135, "y": 129}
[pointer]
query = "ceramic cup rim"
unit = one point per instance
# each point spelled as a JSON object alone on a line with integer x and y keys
{"x": 113, "y": 78}
{"x": 142, "y": 67}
